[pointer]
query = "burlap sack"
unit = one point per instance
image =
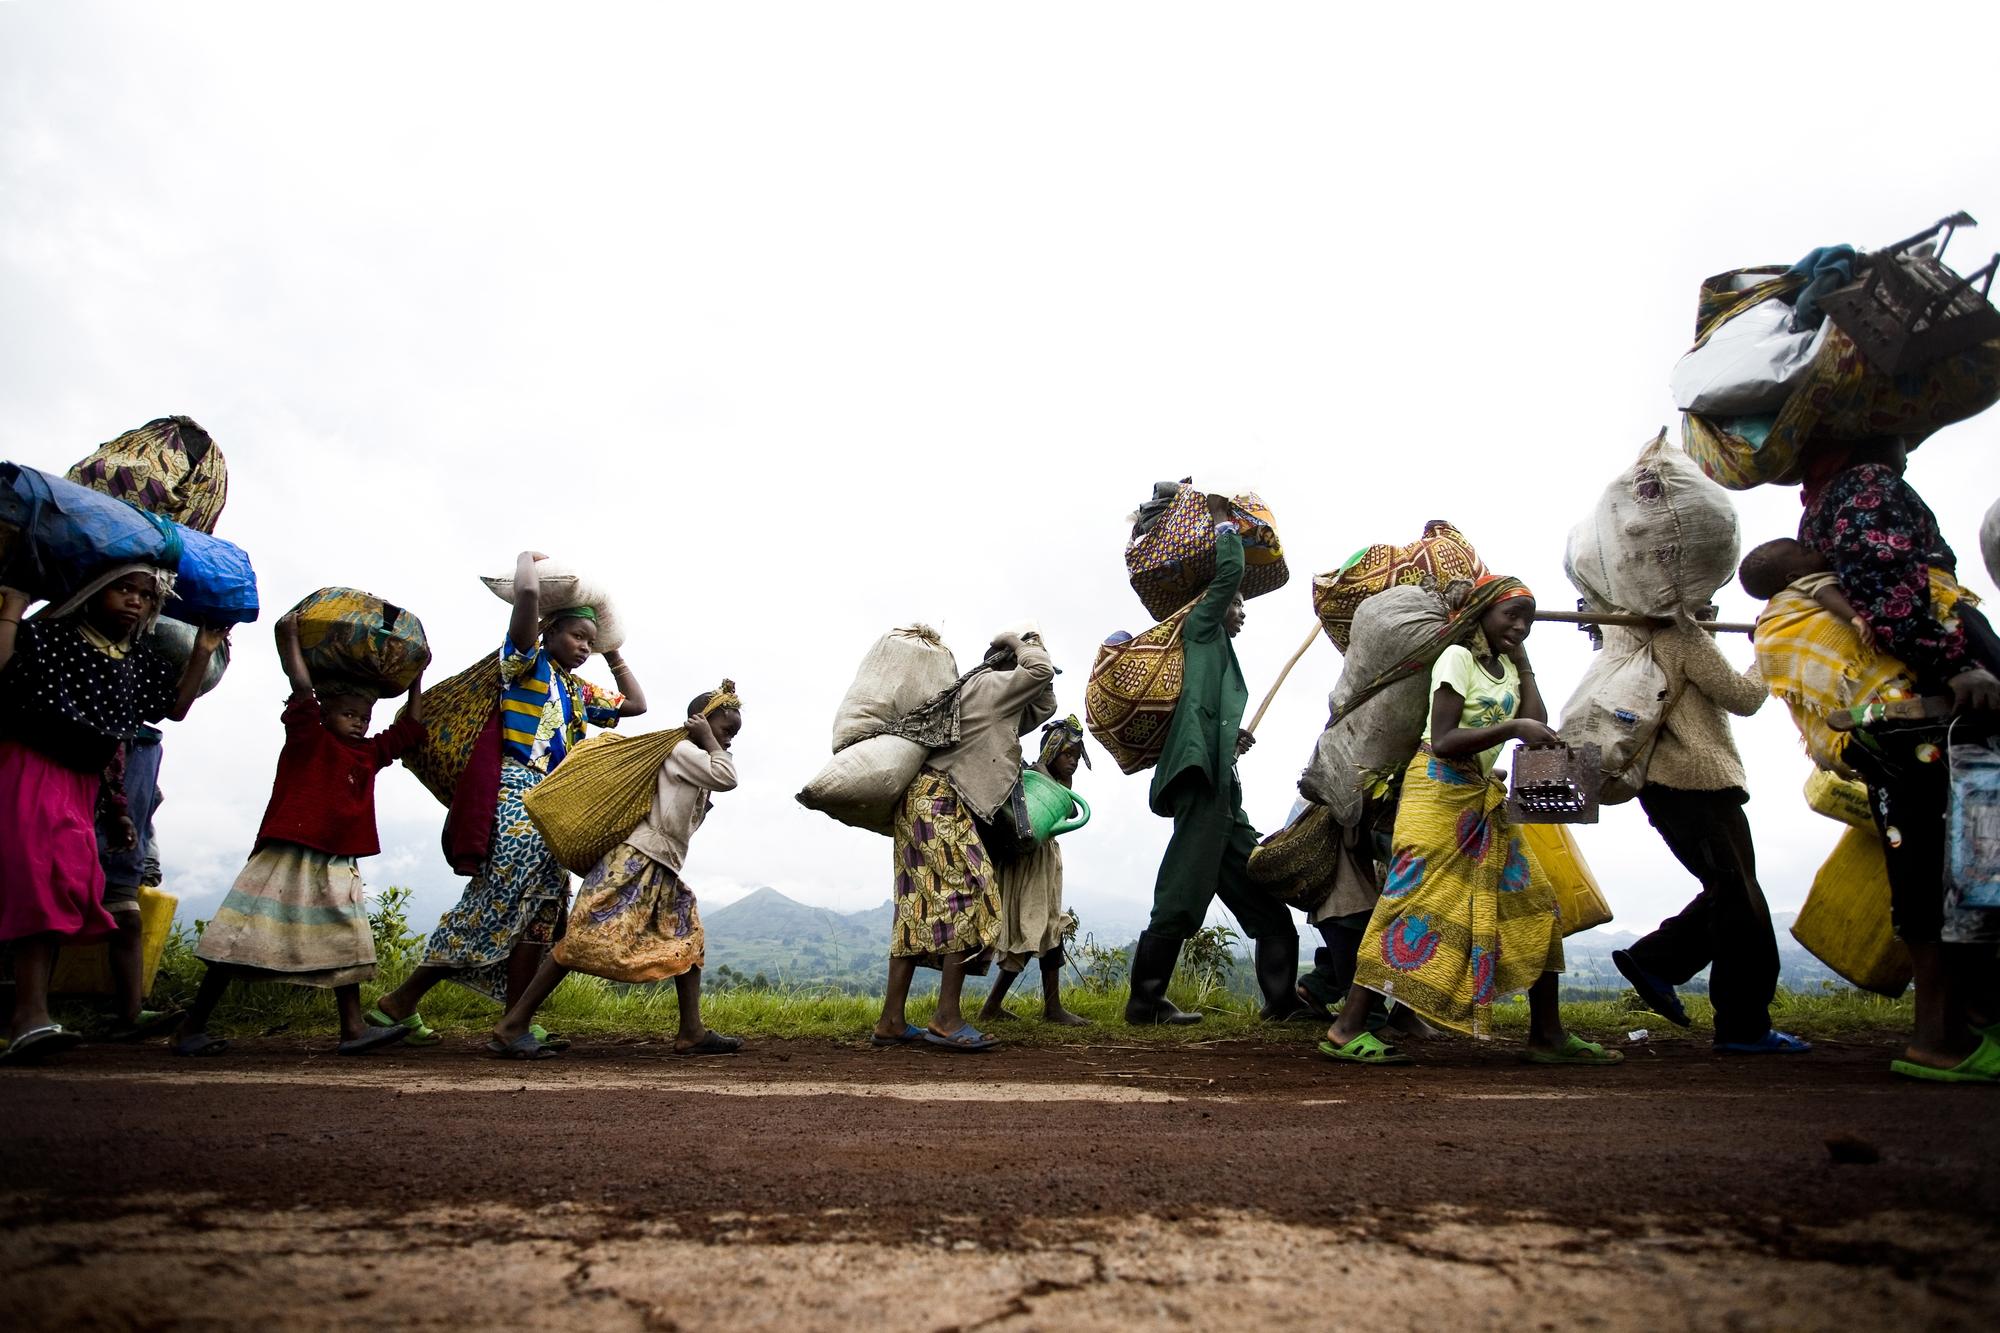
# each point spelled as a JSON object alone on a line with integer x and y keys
{"x": 905, "y": 668}
{"x": 1661, "y": 540}
{"x": 863, "y": 784}
{"x": 1376, "y": 740}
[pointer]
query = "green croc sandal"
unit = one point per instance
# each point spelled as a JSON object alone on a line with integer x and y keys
{"x": 1575, "y": 1051}
{"x": 554, "y": 1041}
{"x": 420, "y": 1034}
{"x": 1982, "y": 1066}
{"x": 1366, "y": 1049}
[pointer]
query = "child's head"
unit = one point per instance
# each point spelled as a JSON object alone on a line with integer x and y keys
{"x": 725, "y": 722}
{"x": 1768, "y": 568}
{"x": 126, "y": 605}
{"x": 1508, "y": 622}
{"x": 345, "y": 710}
{"x": 570, "y": 636}
{"x": 1062, "y": 750}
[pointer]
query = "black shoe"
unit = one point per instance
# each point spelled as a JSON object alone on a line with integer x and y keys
{"x": 1277, "y": 961}
{"x": 1153, "y": 960}
{"x": 1654, "y": 993}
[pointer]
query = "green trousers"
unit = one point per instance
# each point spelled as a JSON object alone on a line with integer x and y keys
{"x": 1209, "y": 857}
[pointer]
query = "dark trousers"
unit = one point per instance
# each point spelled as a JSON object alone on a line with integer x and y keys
{"x": 1209, "y": 858}
{"x": 1727, "y": 928}
{"x": 1913, "y": 798}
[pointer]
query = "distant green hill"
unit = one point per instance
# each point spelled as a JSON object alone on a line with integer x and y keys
{"x": 787, "y": 942}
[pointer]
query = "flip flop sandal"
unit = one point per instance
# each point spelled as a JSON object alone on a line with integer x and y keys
{"x": 714, "y": 1043}
{"x": 199, "y": 1043}
{"x": 1654, "y": 993}
{"x": 419, "y": 1033}
{"x": 911, "y": 1032}
{"x": 967, "y": 1038}
{"x": 523, "y": 1047}
{"x": 1575, "y": 1051}
{"x": 555, "y": 1041}
{"x": 1773, "y": 1042}
{"x": 1982, "y": 1066}
{"x": 1366, "y": 1049}
{"x": 373, "y": 1039}
{"x": 151, "y": 1023}
{"x": 37, "y": 1044}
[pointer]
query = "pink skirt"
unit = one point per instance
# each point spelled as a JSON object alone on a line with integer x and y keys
{"x": 50, "y": 879}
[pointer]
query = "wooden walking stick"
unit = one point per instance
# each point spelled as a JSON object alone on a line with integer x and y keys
{"x": 1279, "y": 682}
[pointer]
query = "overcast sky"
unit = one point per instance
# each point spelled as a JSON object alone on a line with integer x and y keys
{"x": 807, "y": 321}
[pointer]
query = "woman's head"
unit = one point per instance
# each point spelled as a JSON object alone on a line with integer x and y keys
{"x": 1511, "y": 617}
{"x": 1768, "y": 568}
{"x": 1063, "y": 750}
{"x": 570, "y": 636}
{"x": 126, "y": 605}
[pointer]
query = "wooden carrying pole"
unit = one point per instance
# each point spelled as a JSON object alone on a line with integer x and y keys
{"x": 1640, "y": 622}
{"x": 1279, "y": 682}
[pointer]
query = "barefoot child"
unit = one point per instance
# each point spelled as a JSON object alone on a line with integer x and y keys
{"x": 634, "y": 919}
{"x": 295, "y": 913}
{"x": 74, "y": 686}
{"x": 1031, "y": 896}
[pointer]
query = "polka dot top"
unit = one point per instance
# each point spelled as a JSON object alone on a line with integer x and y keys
{"x": 62, "y": 695}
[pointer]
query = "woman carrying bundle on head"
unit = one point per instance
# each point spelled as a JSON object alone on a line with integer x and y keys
{"x": 296, "y": 912}
{"x": 74, "y": 685}
{"x": 635, "y": 919}
{"x": 1466, "y": 917}
{"x": 1031, "y": 894}
{"x": 493, "y": 940}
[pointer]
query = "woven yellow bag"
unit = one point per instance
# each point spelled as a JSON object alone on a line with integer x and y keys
{"x": 1845, "y": 921}
{"x": 598, "y": 794}
{"x": 1134, "y": 686}
{"x": 1554, "y": 849}
{"x": 455, "y": 712}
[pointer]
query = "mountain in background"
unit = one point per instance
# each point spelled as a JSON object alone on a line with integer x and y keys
{"x": 767, "y": 935}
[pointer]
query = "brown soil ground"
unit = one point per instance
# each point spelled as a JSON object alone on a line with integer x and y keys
{"x": 816, "y": 1185}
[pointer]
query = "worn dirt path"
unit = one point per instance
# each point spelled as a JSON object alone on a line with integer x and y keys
{"x": 816, "y": 1185}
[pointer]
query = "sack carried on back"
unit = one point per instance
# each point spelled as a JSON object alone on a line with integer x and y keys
{"x": 1171, "y": 556}
{"x": 1363, "y": 750}
{"x": 871, "y": 769}
{"x": 1134, "y": 687}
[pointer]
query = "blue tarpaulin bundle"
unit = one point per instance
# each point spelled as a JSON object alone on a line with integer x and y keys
{"x": 65, "y": 533}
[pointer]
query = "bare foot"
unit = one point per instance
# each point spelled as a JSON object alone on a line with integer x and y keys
{"x": 1064, "y": 1018}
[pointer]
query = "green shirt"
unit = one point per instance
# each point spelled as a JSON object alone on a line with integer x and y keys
{"x": 1488, "y": 701}
{"x": 1213, "y": 698}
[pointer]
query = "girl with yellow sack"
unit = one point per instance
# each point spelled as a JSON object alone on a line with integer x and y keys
{"x": 634, "y": 919}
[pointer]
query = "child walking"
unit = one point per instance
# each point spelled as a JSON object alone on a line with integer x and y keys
{"x": 74, "y": 686}
{"x": 295, "y": 913}
{"x": 634, "y": 919}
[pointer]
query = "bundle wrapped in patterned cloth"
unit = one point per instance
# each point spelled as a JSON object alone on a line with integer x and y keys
{"x": 1841, "y": 397}
{"x": 357, "y": 638}
{"x": 169, "y": 466}
{"x": 1437, "y": 560}
{"x": 1171, "y": 556}
{"x": 1134, "y": 686}
{"x": 456, "y": 711}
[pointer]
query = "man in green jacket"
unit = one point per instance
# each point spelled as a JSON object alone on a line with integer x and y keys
{"x": 1196, "y": 783}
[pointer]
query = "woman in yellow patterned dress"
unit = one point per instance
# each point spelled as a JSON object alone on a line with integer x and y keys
{"x": 1466, "y": 917}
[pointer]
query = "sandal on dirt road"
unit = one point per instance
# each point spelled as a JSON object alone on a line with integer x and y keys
{"x": 968, "y": 1038}
{"x": 373, "y": 1039}
{"x": 1773, "y": 1042}
{"x": 37, "y": 1044}
{"x": 149, "y": 1023}
{"x": 555, "y": 1041}
{"x": 419, "y": 1033}
{"x": 1366, "y": 1049}
{"x": 523, "y": 1047}
{"x": 911, "y": 1032}
{"x": 712, "y": 1043}
{"x": 1982, "y": 1066}
{"x": 199, "y": 1043}
{"x": 1574, "y": 1051}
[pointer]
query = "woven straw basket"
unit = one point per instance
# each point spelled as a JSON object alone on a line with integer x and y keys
{"x": 598, "y": 794}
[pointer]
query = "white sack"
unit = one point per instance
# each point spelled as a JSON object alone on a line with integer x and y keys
{"x": 1618, "y": 706}
{"x": 903, "y": 671}
{"x": 1385, "y": 731}
{"x": 175, "y": 641}
{"x": 863, "y": 784}
{"x": 1661, "y": 540}
{"x": 563, "y": 586}
{"x": 1748, "y": 366}
{"x": 1989, "y": 542}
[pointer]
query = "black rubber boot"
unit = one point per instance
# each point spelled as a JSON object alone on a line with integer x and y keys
{"x": 1278, "y": 978}
{"x": 1153, "y": 960}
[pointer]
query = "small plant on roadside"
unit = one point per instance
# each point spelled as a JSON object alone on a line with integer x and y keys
{"x": 1098, "y": 968}
{"x": 1207, "y": 959}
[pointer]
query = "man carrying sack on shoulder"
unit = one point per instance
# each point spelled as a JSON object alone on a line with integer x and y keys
{"x": 1196, "y": 784}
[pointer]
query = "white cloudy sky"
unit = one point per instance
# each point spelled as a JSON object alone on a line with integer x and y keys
{"x": 804, "y": 321}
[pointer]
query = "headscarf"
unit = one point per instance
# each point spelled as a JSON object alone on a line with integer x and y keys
{"x": 721, "y": 697}
{"x": 1462, "y": 626}
{"x": 579, "y": 612}
{"x": 1060, "y": 736}
{"x": 163, "y": 581}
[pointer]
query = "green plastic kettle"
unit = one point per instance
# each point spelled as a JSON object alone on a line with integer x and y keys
{"x": 1049, "y": 805}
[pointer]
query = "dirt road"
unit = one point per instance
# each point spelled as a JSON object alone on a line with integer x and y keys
{"x": 815, "y": 1185}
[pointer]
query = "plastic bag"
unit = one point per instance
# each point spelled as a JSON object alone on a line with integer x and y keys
{"x": 1972, "y": 867}
{"x": 1661, "y": 540}
{"x": 1749, "y": 364}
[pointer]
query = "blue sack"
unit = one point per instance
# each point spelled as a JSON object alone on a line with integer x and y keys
{"x": 66, "y": 533}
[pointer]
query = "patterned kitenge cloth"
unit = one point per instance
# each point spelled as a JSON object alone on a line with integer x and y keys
{"x": 1466, "y": 917}
{"x": 634, "y": 920}
{"x": 517, "y": 897}
{"x": 543, "y": 708}
{"x": 294, "y": 915}
{"x": 947, "y": 893}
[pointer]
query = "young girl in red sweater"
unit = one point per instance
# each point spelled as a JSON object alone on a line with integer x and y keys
{"x": 295, "y": 913}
